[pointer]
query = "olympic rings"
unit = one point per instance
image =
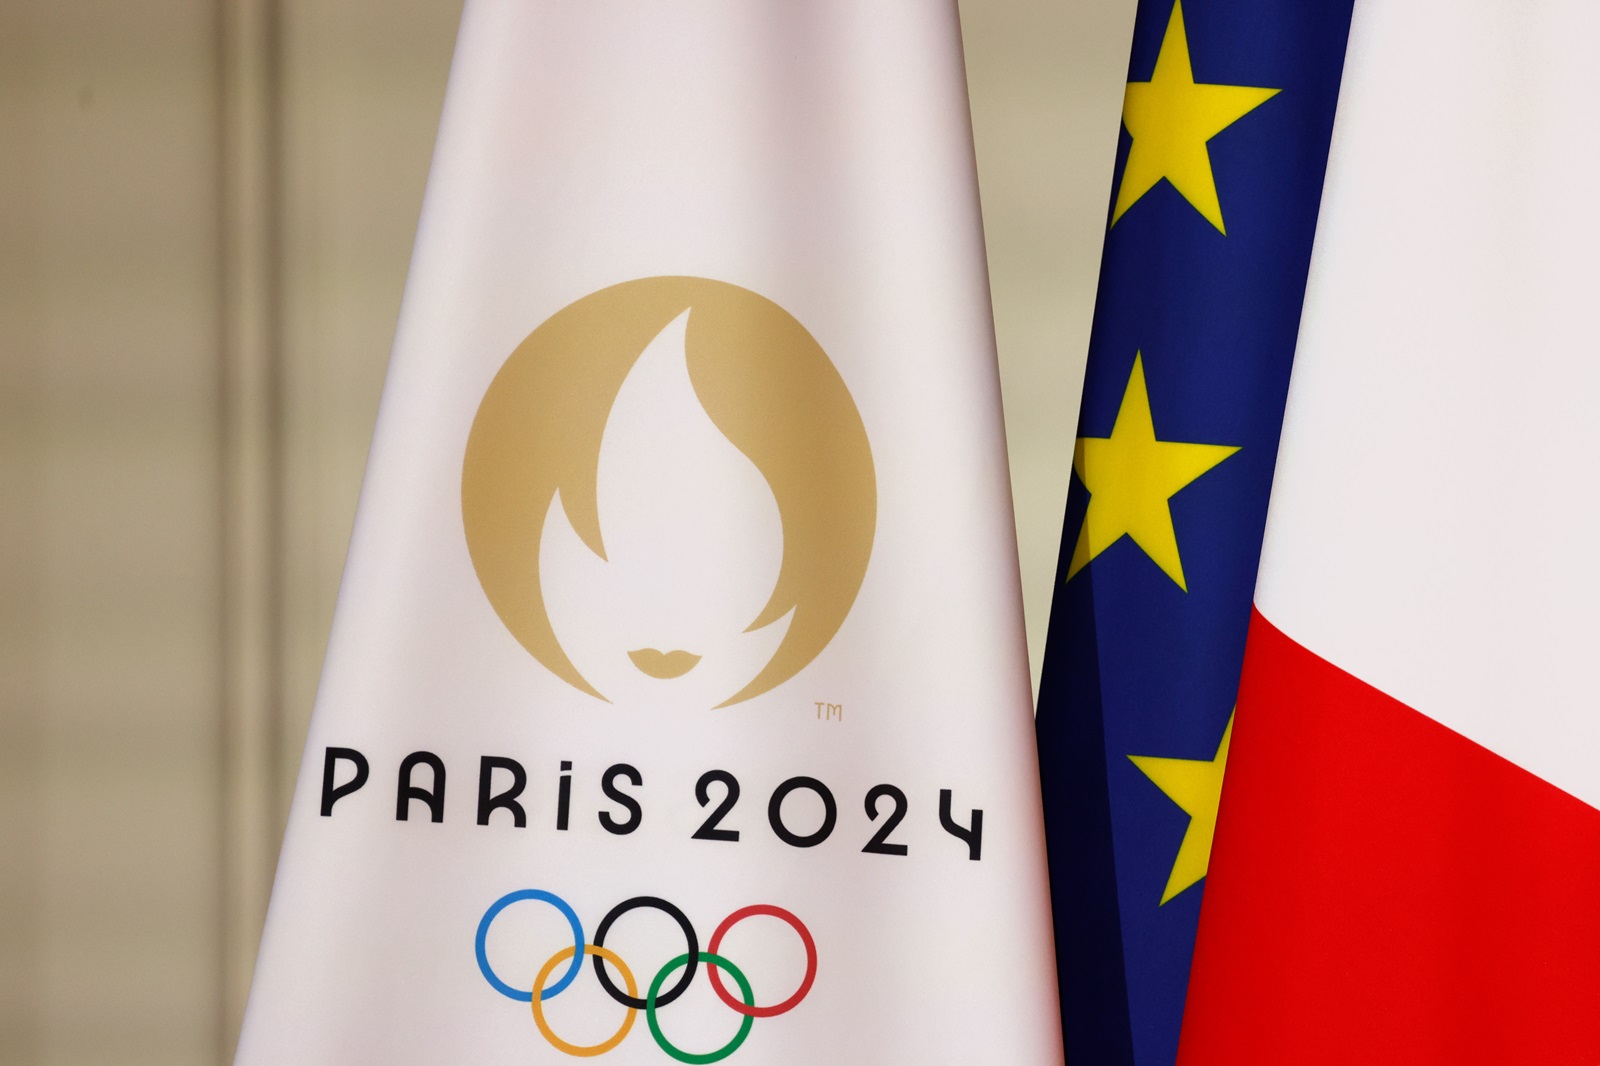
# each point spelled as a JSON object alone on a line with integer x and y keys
{"x": 748, "y": 1007}
{"x": 655, "y": 998}
{"x": 712, "y": 962}
{"x": 482, "y": 941}
{"x": 579, "y": 1050}
{"x": 688, "y": 934}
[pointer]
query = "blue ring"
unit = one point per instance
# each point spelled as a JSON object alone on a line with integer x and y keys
{"x": 483, "y": 941}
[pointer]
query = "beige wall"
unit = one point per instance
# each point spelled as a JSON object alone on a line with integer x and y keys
{"x": 206, "y": 209}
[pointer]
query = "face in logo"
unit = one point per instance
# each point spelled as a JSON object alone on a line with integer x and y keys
{"x": 668, "y": 494}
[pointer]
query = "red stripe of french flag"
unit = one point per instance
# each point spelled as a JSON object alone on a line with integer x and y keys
{"x": 1385, "y": 890}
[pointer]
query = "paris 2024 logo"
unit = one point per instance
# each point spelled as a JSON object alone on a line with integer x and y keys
{"x": 668, "y": 494}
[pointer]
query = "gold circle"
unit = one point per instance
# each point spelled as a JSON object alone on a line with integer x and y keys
{"x": 538, "y": 1012}
{"x": 766, "y": 384}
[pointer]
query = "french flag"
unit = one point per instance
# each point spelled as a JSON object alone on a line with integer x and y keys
{"x": 1407, "y": 860}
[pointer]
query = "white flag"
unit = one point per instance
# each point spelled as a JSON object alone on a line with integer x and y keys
{"x": 677, "y": 707}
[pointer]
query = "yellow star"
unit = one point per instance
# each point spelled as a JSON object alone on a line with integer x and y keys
{"x": 1196, "y": 786}
{"x": 1130, "y": 476}
{"x": 1170, "y": 119}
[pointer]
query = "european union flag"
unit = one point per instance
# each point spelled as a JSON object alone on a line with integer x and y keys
{"x": 1226, "y": 124}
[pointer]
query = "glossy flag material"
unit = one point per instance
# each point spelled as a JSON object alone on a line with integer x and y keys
{"x": 1219, "y": 175}
{"x": 677, "y": 704}
{"x": 1406, "y": 865}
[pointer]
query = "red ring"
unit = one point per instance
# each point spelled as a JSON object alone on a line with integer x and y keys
{"x": 805, "y": 938}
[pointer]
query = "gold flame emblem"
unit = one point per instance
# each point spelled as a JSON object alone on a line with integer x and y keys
{"x": 546, "y": 436}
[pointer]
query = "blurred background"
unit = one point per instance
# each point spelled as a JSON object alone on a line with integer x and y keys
{"x": 206, "y": 211}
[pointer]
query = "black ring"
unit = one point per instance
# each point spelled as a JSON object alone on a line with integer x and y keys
{"x": 688, "y": 934}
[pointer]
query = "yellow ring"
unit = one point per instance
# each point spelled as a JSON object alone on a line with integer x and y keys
{"x": 538, "y": 1012}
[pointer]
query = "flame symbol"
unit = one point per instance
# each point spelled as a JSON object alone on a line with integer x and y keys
{"x": 733, "y": 473}
{"x": 693, "y": 544}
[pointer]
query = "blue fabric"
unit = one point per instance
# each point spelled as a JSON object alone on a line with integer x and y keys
{"x": 1134, "y": 664}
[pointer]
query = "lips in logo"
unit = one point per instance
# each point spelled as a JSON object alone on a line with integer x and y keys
{"x": 668, "y": 487}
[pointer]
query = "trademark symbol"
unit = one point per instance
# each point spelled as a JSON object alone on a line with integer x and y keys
{"x": 829, "y": 712}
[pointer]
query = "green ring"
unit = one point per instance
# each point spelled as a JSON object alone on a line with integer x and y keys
{"x": 655, "y": 1027}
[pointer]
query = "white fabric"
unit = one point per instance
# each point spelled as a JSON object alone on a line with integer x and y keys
{"x": 1434, "y": 527}
{"x": 817, "y": 153}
